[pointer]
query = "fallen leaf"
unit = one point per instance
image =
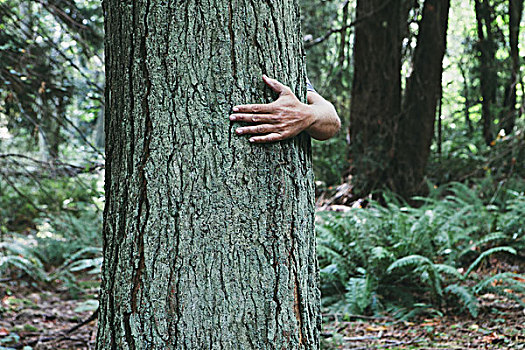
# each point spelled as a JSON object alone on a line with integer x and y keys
{"x": 376, "y": 328}
{"x": 491, "y": 338}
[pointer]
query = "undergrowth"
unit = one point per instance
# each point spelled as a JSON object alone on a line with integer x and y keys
{"x": 409, "y": 260}
{"x": 51, "y": 232}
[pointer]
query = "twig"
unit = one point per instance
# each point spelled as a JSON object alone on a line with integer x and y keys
{"x": 386, "y": 346}
{"x": 369, "y": 337}
{"x": 358, "y": 317}
{"x": 67, "y": 168}
{"x": 93, "y": 317}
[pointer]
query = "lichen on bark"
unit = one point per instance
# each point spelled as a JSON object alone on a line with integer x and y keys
{"x": 208, "y": 239}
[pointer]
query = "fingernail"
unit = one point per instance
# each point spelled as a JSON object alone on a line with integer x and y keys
{"x": 232, "y": 117}
{"x": 238, "y": 131}
{"x": 252, "y": 140}
{"x": 235, "y": 109}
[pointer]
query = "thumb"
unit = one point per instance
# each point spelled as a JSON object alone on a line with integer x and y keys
{"x": 276, "y": 86}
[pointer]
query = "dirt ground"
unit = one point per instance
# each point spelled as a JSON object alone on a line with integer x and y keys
{"x": 45, "y": 320}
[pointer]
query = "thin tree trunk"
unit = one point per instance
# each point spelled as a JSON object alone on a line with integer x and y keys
{"x": 343, "y": 40}
{"x": 440, "y": 123}
{"x": 488, "y": 75}
{"x": 416, "y": 125}
{"x": 208, "y": 239}
{"x": 515, "y": 13}
{"x": 466, "y": 95}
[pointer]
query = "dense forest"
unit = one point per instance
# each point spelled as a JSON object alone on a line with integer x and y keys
{"x": 419, "y": 199}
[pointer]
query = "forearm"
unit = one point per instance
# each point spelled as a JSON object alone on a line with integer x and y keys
{"x": 326, "y": 122}
{"x": 287, "y": 116}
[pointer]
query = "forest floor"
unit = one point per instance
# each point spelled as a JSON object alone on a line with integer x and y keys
{"x": 43, "y": 319}
{"x": 501, "y": 327}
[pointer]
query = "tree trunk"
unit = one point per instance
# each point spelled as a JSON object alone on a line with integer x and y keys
{"x": 208, "y": 239}
{"x": 376, "y": 92}
{"x": 423, "y": 90}
{"x": 390, "y": 145}
{"x": 488, "y": 76}
{"x": 515, "y": 13}
{"x": 466, "y": 95}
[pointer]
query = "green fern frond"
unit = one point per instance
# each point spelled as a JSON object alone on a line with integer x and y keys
{"x": 487, "y": 253}
{"x": 448, "y": 270}
{"x": 30, "y": 268}
{"x": 411, "y": 260}
{"x": 358, "y": 294}
{"x": 491, "y": 237}
{"x": 500, "y": 291}
{"x": 507, "y": 277}
{"x": 467, "y": 298}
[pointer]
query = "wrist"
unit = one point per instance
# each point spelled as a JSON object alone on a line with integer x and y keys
{"x": 311, "y": 116}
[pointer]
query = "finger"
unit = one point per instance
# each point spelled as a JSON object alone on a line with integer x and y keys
{"x": 254, "y": 108}
{"x": 253, "y": 118}
{"x": 257, "y": 129}
{"x": 276, "y": 86}
{"x": 273, "y": 137}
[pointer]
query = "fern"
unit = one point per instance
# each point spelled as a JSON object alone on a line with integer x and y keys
{"x": 358, "y": 294}
{"x": 30, "y": 268}
{"x": 448, "y": 270}
{"x": 491, "y": 237}
{"x": 487, "y": 253}
{"x": 411, "y": 260}
{"x": 509, "y": 278}
{"x": 393, "y": 243}
{"x": 467, "y": 298}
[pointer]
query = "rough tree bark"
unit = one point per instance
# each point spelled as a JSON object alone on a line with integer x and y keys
{"x": 415, "y": 128}
{"x": 208, "y": 240}
{"x": 376, "y": 92}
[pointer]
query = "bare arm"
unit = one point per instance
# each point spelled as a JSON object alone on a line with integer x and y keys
{"x": 326, "y": 121}
{"x": 287, "y": 116}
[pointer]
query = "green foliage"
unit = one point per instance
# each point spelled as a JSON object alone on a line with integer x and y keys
{"x": 329, "y": 68}
{"x": 466, "y": 297}
{"x": 330, "y": 159}
{"x": 58, "y": 248}
{"x": 396, "y": 257}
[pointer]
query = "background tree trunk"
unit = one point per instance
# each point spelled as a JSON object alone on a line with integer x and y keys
{"x": 376, "y": 92}
{"x": 390, "y": 143}
{"x": 423, "y": 90}
{"x": 515, "y": 13}
{"x": 488, "y": 75}
{"x": 466, "y": 96}
{"x": 208, "y": 240}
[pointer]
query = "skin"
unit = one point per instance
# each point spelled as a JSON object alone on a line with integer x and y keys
{"x": 287, "y": 116}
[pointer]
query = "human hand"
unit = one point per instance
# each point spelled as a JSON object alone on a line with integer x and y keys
{"x": 282, "y": 119}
